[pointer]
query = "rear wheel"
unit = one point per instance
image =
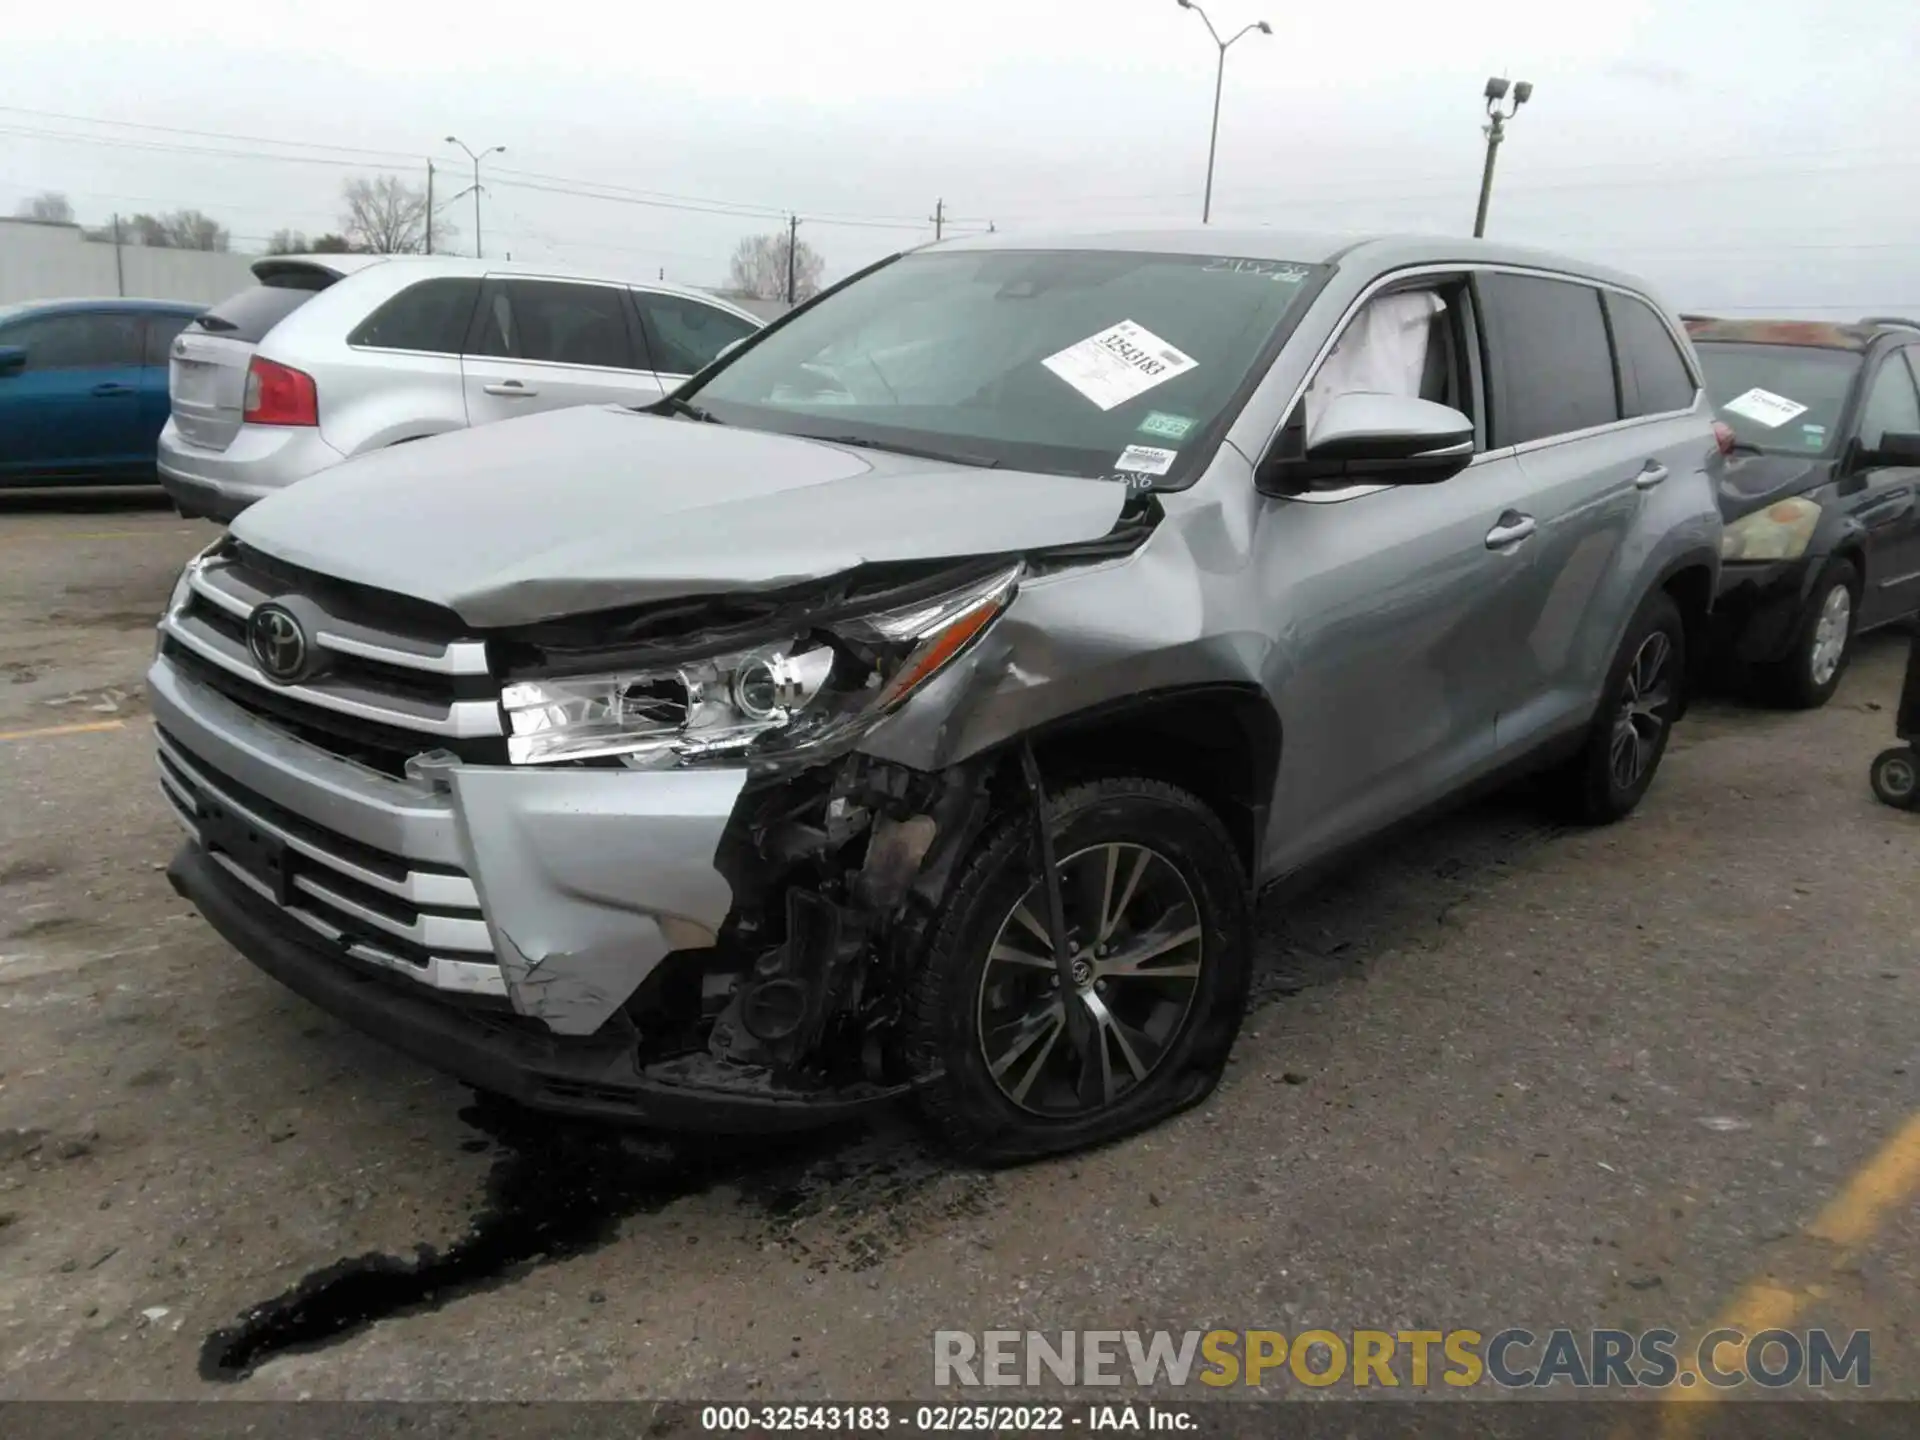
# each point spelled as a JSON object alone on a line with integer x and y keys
{"x": 1031, "y": 1062}
{"x": 1629, "y": 733}
{"x": 1822, "y": 641}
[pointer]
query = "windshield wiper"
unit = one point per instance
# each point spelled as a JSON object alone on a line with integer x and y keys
{"x": 860, "y": 442}
{"x": 674, "y": 405}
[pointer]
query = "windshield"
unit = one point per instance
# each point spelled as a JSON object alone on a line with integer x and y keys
{"x": 1781, "y": 398}
{"x": 1095, "y": 363}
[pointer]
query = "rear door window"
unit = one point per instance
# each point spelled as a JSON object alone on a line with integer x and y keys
{"x": 685, "y": 335}
{"x": 85, "y": 341}
{"x": 1550, "y": 363}
{"x": 431, "y": 316}
{"x": 550, "y": 320}
{"x": 248, "y": 316}
{"x": 1652, "y": 370}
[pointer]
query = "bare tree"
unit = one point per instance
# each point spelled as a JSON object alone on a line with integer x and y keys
{"x": 49, "y": 206}
{"x": 387, "y": 216}
{"x": 289, "y": 242}
{"x": 176, "y": 230}
{"x": 759, "y": 268}
{"x": 331, "y": 244}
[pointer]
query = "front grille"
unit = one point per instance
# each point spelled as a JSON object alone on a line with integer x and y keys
{"x": 419, "y": 920}
{"x": 391, "y": 683}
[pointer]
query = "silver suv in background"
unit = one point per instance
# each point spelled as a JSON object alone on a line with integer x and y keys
{"x": 331, "y": 356}
{"x": 915, "y": 702}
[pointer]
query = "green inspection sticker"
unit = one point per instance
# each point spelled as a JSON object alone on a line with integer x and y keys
{"x": 1170, "y": 427}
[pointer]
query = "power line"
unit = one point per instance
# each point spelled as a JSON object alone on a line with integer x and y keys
{"x": 205, "y": 134}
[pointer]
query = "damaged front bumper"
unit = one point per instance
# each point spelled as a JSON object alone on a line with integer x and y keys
{"x": 494, "y": 922}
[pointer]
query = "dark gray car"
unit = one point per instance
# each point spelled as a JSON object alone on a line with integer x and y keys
{"x": 915, "y": 701}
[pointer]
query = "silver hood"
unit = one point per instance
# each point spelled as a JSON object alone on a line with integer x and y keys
{"x": 586, "y": 509}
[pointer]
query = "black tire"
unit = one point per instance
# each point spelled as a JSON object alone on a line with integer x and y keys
{"x": 1592, "y": 788}
{"x": 1896, "y": 777}
{"x": 1795, "y": 682}
{"x": 948, "y": 1007}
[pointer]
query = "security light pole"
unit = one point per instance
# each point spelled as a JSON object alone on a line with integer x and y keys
{"x": 492, "y": 150}
{"x": 1496, "y": 128}
{"x": 1219, "y": 79}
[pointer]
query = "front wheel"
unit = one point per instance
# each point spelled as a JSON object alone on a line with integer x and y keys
{"x": 1629, "y": 733}
{"x": 1822, "y": 642}
{"x": 1031, "y": 1061}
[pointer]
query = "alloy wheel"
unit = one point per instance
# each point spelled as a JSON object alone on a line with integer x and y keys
{"x": 1830, "y": 634}
{"x": 1642, "y": 717}
{"x": 1135, "y": 952}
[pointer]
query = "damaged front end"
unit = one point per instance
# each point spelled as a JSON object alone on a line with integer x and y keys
{"x": 689, "y": 857}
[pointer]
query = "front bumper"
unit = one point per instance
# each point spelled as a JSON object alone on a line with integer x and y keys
{"x": 260, "y": 460}
{"x": 1757, "y": 606}
{"x": 596, "y": 1077}
{"x": 559, "y": 890}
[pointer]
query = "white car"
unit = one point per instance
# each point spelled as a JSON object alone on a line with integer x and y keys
{"x": 335, "y": 355}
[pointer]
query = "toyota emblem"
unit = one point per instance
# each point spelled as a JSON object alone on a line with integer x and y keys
{"x": 278, "y": 642}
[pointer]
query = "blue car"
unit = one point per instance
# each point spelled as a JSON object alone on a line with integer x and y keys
{"x": 83, "y": 389}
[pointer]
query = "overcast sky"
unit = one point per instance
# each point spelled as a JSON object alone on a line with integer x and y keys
{"x": 1738, "y": 153}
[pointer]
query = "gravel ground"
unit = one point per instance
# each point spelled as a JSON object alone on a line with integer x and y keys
{"x": 1499, "y": 1074}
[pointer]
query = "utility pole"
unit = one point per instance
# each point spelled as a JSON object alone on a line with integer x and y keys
{"x": 939, "y": 218}
{"x": 1219, "y": 80}
{"x": 1496, "y": 130}
{"x": 793, "y": 244}
{"x": 429, "y": 205}
{"x": 119, "y": 269}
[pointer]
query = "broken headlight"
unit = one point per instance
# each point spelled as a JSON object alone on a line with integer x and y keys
{"x": 799, "y": 694}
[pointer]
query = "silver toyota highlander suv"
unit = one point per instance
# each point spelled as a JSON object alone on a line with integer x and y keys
{"x": 331, "y": 356}
{"x": 915, "y": 700}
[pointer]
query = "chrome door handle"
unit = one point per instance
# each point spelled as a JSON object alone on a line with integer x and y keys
{"x": 512, "y": 389}
{"x": 1512, "y": 529}
{"x": 1650, "y": 475}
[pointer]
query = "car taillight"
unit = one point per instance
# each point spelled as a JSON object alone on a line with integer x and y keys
{"x": 1723, "y": 436}
{"x": 279, "y": 395}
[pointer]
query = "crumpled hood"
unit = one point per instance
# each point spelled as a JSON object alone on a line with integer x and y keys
{"x": 578, "y": 510}
{"x": 1753, "y": 482}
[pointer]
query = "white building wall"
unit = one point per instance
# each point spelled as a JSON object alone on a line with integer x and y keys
{"x": 55, "y": 262}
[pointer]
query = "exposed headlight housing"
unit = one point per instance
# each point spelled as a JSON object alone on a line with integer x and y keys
{"x": 1782, "y": 531}
{"x": 794, "y": 696}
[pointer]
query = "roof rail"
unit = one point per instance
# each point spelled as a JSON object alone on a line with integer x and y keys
{"x": 1685, "y": 318}
{"x": 1893, "y": 320}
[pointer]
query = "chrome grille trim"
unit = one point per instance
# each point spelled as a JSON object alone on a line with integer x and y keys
{"x": 445, "y": 892}
{"x": 459, "y": 719}
{"x": 433, "y": 932}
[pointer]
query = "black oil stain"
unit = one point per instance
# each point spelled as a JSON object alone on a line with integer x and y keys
{"x": 560, "y": 1188}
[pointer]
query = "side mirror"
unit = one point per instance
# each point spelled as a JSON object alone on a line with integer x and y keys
{"x": 13, "y": 359}
{"x": 1374, "y": 439}
{"x": 1896, "y": 447}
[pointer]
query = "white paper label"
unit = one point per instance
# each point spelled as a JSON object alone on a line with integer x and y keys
{"x": 1119, "y": 363}
{"x": 1146, "y": 460}
{"x": 1763, "y": 407}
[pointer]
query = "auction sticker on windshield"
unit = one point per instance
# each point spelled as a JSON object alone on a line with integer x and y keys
{"x": 1146, "y": 459}
{"x": 1122, "y": 361}
{"x": 1763, "y": 407}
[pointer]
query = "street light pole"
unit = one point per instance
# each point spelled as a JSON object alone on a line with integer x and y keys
{"x": 1496, "y": 128}
{"x": 492, "y": 150}
{"x": 1219, "y": 82}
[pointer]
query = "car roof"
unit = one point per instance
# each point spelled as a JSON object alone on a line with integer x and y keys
{"x": 1807, "y": 334}
{"x": 1375, "y": 251}
{"x": 457, "y": 266}
{"x": 100, "y": 302}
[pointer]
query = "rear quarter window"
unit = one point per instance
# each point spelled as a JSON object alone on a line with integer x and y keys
{"x": 1551, "y": 363}
{"x": 431, "y": 316}
{"x": 1654, "y": 373}
{"x": 249, "y": 315}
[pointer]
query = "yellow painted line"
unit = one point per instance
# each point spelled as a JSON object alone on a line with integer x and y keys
{"x": 92, "y": 727}
{"x": 1850, "y": 1218}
